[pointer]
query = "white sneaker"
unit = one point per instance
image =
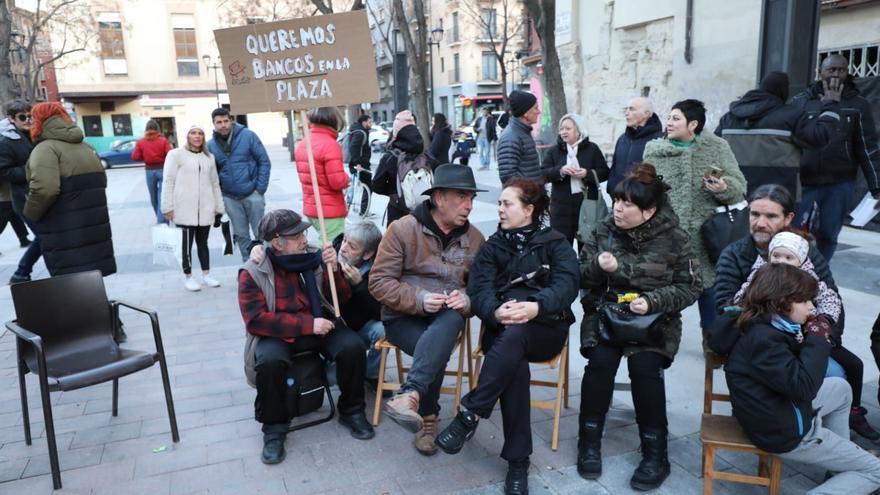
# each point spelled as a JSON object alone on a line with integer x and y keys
{"x": 210, "y": 282}
{"x": 192, "y": 285}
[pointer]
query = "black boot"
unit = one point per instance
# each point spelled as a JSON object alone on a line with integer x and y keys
{"x": 589, "y": 463}
{"x": 273, "y": 448}
{"x": 517, "y": 481}
{"x": 654, "y": 467}
{"x": 459, "y": 431}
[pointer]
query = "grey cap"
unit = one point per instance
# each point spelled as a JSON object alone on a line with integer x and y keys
{"x": 281, "y": 222}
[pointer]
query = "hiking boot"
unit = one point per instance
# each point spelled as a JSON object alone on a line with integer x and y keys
{"x": 273, "y": 448}
{"x": 462, "y": 428}
{"x": 654, "y": 467}
{"x": 589, "y": 462}
{"x": 403, "y": 408}
{"x": 859, "y": 424}
{"x": 517, "y": 481}
{"x": 427, "y": 436}
{"x": 358, "y": 424}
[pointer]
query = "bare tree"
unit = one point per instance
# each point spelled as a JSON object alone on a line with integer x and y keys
{"x": 416, "y": 45}
{"x": 9, "y": 87}
{"x": 500, "y": 41}
{"x": 239, "y": 12}
{"x": 543, "y": 12}
{"x": 326, "y": 6}
{"x": 68, "y": 23}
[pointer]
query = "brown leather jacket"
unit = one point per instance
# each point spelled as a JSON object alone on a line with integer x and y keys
{"x": 411, "y": 263}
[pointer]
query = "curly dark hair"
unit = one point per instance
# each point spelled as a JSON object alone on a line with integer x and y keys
{"x": 531, "y": 193}
{"x": 772, "y": 292}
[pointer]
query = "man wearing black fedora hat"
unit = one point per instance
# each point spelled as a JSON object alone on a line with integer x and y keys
{"x": 419, "y": 277}
{"x": 517, "y": 155}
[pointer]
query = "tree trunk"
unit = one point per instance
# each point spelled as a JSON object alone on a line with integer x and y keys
{"x": 9, "y": 88}
{"x": 544, "y": 14}
{"x": 416, "y": 49}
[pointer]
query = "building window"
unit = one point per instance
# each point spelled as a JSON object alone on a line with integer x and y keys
{"x": 108, "y": 106}
{"x": 112, "y": 43}
{"x": 490, "y": 66}
{"x": 488, "y": 24}
{"x": 454, "y": 27}
{"x": 456, "y": 75}
{"x": 121, "y": 124}
{"x": 184, "y": 29}
{"x": 864, "y": 60}
{"x": 444, "y": 105}
{"x": 92, "y": 126}
{"x": 442, "y": 64}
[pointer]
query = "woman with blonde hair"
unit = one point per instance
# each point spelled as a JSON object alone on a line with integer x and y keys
{"x": 191, "y": 199}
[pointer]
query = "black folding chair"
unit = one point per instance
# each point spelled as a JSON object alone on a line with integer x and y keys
{"x": 67, "y": 333}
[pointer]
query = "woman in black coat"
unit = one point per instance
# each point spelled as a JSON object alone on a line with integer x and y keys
{"x": 441, "y": 138}
{"x": 567, "y": 166}
{"x": 521, "y": 285}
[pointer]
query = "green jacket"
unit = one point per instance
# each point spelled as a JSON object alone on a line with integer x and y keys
{"x": 655, "y": 260}
{"x": 67, "y": 201}
{"x": 683, "y": 169}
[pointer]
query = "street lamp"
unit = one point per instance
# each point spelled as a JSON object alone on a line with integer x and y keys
{"x": 215, "y": 66}
{"x": 436, "y": 38}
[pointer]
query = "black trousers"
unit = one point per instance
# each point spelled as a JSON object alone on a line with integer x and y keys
{"x": 505, "y": 375}
{"x": 272, "y": 357}
{"x": 8, "y": 215}
{"x": 854, "y": 369}
{"x": 645, "y": 374}
{"x": 200, "y": 235}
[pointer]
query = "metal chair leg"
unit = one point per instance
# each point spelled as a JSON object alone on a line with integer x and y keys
{"x": 169, "y": 401}
{"x": 22, "y": 391}
{"x": 115, "y": 409}
{"x": 50, "y": 432}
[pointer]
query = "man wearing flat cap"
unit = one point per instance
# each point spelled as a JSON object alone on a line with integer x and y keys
{"x": 517, "y": 155}
{"x": 419, "y": 277}
{"x": 285, "y": 312}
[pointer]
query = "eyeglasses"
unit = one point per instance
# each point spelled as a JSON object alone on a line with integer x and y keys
{"x": 23, "y": 117}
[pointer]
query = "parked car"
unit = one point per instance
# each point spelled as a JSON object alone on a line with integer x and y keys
{"x": 378, "y": 138}
{"x": 119, "y": 154}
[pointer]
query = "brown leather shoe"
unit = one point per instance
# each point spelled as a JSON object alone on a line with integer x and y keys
{"x": 403, "y": 408}
{"x": 425, "y": 437}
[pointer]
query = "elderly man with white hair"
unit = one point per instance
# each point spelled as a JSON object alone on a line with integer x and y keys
{"x": 642, "y": 125}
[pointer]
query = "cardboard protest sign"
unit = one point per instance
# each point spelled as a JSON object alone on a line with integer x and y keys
{"x": 296, "y": 64}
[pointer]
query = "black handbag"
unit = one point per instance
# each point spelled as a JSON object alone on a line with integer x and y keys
{"x": 620, "y": 327}
{"x": 306, "y": 383}
{"x": 729, "y": 224}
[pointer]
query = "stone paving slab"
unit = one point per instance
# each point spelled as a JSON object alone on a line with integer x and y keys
{"x": 220, "y": 442}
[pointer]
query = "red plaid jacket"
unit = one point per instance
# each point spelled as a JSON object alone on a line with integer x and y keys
{"x": 291, "y": 317}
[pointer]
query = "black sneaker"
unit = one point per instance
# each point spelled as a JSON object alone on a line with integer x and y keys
{"x": 273, "y": 448}
{"x": 859, "y": 424}
{"x": 17, "y": 279}
{"x": 459, "y": 431}
{"x": 517, "y": 481}
{"x": 358, "y": 424}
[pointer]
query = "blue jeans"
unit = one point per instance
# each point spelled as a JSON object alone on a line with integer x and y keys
{"x": 370, "y": 333}
{"x": 245, "y": 215}
{"x": 154, "y": 185}
{"x": 485, "y": 151}
{"x": 706, "y": 304}
{"x": 833, "y": 201}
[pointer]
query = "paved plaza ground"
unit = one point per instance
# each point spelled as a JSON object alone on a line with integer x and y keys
{"x": 220, "y": 441}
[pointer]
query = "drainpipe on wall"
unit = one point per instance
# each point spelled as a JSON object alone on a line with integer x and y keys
{"x": 688, "y": 31}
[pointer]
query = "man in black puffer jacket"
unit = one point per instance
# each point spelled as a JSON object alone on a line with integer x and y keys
{"x": 642, "y": 125}
{"x": 517, "y": 155}
{"x": 829, "y": 174}
{"x": 766, "y": 135}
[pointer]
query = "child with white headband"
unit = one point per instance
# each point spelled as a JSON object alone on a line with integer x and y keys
{"x": 792, "y": 248}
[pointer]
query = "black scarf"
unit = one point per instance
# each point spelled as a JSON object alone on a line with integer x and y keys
{"x": 304, "y": 264}
{"x": 519, "y": 237}
{"x": 225, "y": 142}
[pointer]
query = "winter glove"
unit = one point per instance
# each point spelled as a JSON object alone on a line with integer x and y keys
{"x": 820, "y": 326}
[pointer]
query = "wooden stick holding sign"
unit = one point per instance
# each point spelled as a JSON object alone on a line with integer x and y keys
{"x": 307, "y": 140}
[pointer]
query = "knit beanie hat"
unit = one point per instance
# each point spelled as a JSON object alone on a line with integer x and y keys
{"x": 402, "y": 119}
{"x": 776, "y": 83}
{"x": 793, "y": 242}
{"x": 520, "y": 102}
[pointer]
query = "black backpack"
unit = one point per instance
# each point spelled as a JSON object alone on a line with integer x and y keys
{"x": 306, "y": 384}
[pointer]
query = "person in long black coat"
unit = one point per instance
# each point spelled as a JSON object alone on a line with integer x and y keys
{"x": 567, "y": 166}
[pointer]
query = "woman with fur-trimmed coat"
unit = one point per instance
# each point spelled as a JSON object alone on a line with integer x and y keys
{"x": 703, "y": 174}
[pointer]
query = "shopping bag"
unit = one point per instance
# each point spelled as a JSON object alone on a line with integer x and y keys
{"x": 166, "y": 246}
